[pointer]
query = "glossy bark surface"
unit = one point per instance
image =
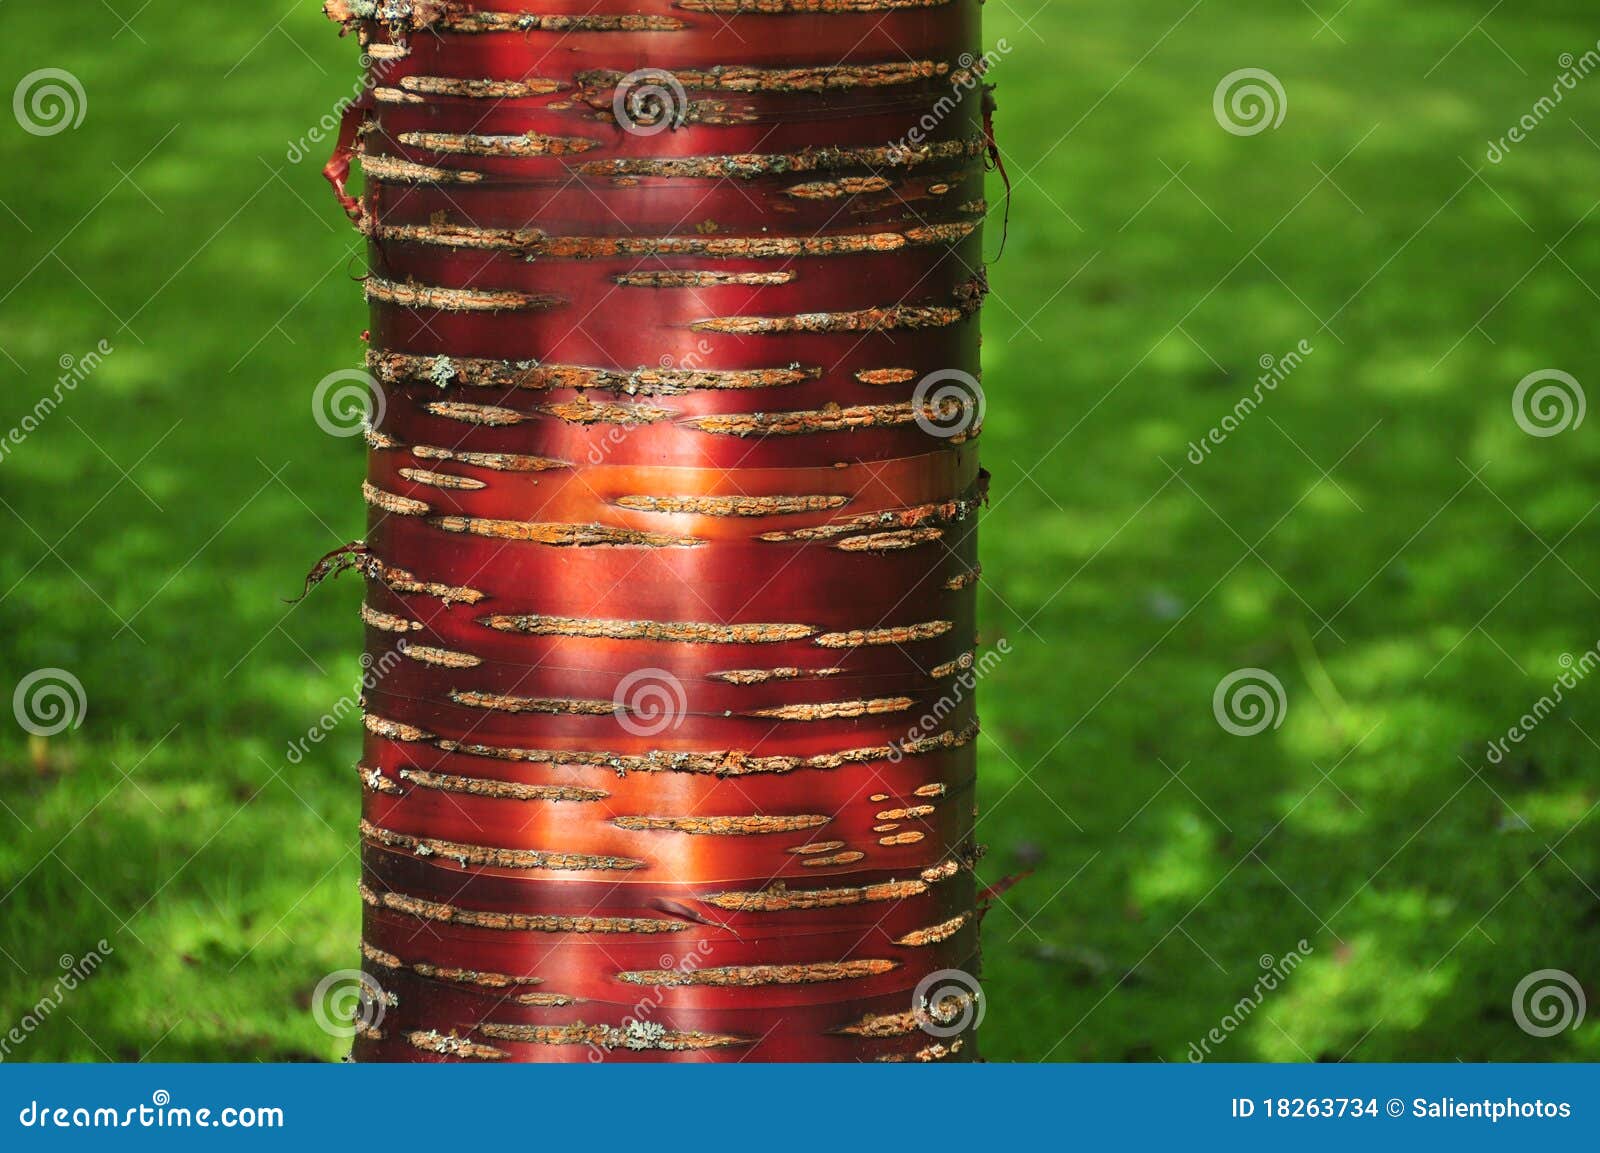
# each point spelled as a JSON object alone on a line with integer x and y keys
{"x": 671, "y": 555}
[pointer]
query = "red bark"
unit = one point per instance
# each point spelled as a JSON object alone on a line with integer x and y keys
{"x": 670, "y": 526}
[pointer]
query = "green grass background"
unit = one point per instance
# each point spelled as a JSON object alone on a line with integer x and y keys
{"x": 1380, "y": 535}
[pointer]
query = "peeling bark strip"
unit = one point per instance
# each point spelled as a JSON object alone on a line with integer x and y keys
{"x": 734, "y": 975}
{"x": 670, "y": 279}
{"x": 741, "y": 78}
{"x": 560, "y": 535}
{"x": 750, "y": 165}
{"x": 656, "y": 447}
{"x": 637, "y": 1035}
{"x": 532, "y": 244}
{"x": 444, "y": 372}
{"x": 679, "y": 632}
{"x": 718, "y": 763}
{"x": 969, "y": 297}
{"x": 779, "y": 7}
{"x": 500, "y": 790}
{"x": 516, "y": 922}
{"x": 721, "y": 826}
{"x": 733, "y": 506}
{"x": 495, "y": 858}
{"x": 456, "y": 299}
{"x": 835, "y": 710}
{"x": 472, "y": 144}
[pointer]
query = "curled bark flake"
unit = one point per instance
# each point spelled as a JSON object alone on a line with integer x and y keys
{"x": 393, "y": 502}
{"x": 497, "y": 461}
{"x": 400, "y": 170}
{"x": 388, "y": 622}
{"x": 848, "y": 858}
{"x": 909, "y": 838}
{"x": 838, "y": 189}
{"x": 442, "y": 658}
{"x": 933, "y": 934}
{"x": 886, "y": 375}
{"x": 441, "y": 480}
{"x": 432, "y": 1041}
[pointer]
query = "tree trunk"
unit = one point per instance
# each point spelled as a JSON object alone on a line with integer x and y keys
{"x": 670, "y": 744}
